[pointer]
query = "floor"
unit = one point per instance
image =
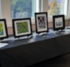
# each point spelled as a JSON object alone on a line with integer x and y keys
{"x": 62, "y": 61}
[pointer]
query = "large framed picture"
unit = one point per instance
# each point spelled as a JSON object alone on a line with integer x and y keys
{"x": 22, "y": 27}
{"x": 59, "y": 22}
{"x": 41, "y": 21}
{"x": 3, "y": 29}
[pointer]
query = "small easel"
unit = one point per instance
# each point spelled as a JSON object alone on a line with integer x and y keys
{"x": 2, "y": 44}
{"x": 43, "y": 34}
{"x": 1, "y": 40}
{"x": 25, "y": 37}
{"x": 59, "y": 31}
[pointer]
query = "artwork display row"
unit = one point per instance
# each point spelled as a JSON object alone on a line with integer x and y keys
{"x": 22, "y": 27}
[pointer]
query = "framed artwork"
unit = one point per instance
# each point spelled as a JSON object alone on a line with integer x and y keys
{"x": 22, "y": 27}
{"x": 59, "y": 22}
{"x": 3, "y": 29}
{"x": 41, "y": 21}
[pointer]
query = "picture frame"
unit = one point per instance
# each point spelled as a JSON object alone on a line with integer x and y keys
{"x": 58, "y": 22}
{"x": 41, "y": 21}
{"x": 3, "y": 29}
{"x": 22, "y": 27}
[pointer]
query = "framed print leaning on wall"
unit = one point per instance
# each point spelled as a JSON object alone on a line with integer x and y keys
{"x": 22, "y": 27}
{"x": 41, "y": 21}
{"x": 3, "y": 29}
{"x": 58, "y": 22}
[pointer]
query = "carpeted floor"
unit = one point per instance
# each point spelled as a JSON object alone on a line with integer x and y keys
{"x": 62, "y": 61}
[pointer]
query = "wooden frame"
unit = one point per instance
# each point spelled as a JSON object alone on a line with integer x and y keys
{"x": 58, "y": 22}
{"x": 17, "y": 29}
{"x": 41, "y": 21}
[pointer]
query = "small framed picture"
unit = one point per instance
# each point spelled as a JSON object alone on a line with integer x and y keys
{"x": 22, "y": 27}
{"x": 59, "y": 22}
{"x": 41, "y": 21}
{"x": 3, "y": 29}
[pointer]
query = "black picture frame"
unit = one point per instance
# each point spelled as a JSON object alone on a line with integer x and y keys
{"x": 22, "y": 20}
{"x": 5, "y": 31}
{"x": 58, "y": 17}
{"x": 45, "y": 15}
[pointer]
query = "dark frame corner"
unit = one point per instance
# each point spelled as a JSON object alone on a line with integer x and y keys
{"x": 4, "y": 20}
{"x": 41, "y": 13}
{"x": 60, "y": 28}
{"x": 13, "y": 21}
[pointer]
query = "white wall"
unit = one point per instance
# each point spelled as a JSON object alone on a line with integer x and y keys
{"x": 45, "y": 4}
{"x": 0, "y": 8}
{"x": 5, "y": 4}
{"x": 69, "y": 9}
{"x": 6, "y": 10}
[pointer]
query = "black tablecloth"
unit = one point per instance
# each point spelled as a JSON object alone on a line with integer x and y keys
{"x": 22, "y": 53}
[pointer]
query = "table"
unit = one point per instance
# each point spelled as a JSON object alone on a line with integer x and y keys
{"x": 26, "y": 52}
